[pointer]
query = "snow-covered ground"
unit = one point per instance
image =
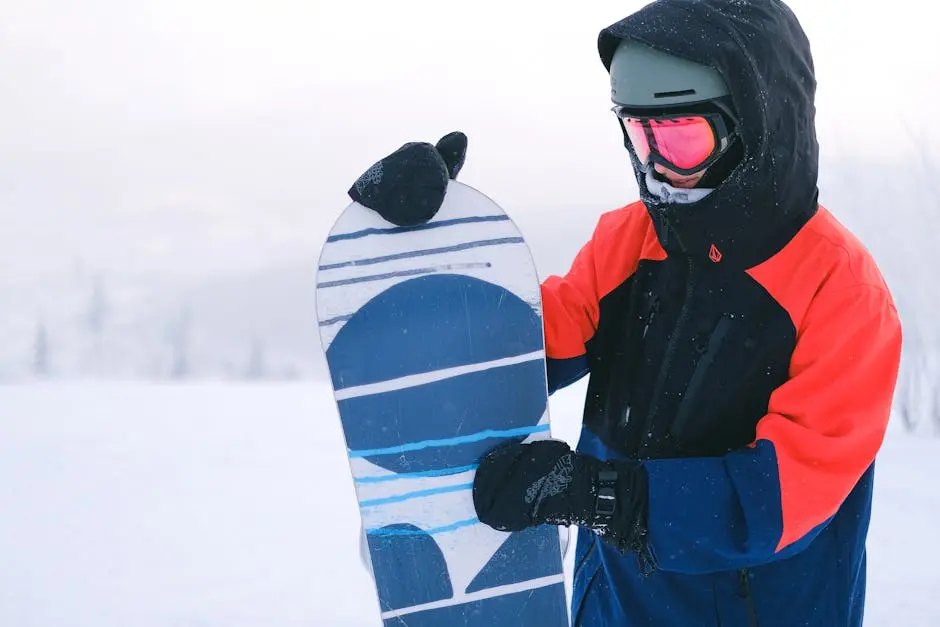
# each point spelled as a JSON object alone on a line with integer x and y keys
{"x": 215, "y": 505}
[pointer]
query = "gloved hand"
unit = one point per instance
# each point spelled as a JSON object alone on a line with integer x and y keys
{"x": 545, "y": 482}
{"x": 407, "y": 187}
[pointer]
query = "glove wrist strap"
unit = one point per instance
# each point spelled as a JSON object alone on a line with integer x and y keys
{"x": 605, "y": 504}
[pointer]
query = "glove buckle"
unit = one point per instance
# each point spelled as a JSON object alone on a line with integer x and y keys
{"x": 606, "y": 502}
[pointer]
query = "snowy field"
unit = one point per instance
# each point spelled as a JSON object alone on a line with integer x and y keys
{"x": 135, "y": 505}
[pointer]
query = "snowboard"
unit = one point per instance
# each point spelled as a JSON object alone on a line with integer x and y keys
{"x": 434, "y": 343}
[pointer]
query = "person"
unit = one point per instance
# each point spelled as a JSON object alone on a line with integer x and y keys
{"x": 740, "y": 344}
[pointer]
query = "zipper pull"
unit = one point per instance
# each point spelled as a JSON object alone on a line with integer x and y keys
{"x": 666, "y": 227}
{"x": 651, "y": 315}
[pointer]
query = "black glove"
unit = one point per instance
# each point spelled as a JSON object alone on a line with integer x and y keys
{"x": 545, "y": 482}
{"x": 407, "y": 187}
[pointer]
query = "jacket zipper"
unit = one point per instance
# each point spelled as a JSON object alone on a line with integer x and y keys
{"x": 650, "y": 316}
{"x": 746, "y": 593}
{"x": 645, "y": 434}
{"x": 698, "y": 375}
{"x": 584, "y": 559}
{"x": 654, "y": 308}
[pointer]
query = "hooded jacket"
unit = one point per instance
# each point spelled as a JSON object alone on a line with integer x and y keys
{"x": 744, "y": 346}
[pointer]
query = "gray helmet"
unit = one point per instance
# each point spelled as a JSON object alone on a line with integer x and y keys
{"x": 643, "y": 77}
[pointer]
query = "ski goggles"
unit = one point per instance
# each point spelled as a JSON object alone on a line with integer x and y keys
{"x": 684, "y": 143}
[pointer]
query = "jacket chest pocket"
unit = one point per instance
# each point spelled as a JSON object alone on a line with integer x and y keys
{"x": 737, "y": 365}
{"x": 707, "y": 351}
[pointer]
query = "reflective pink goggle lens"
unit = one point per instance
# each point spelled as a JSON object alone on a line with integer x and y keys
{"x": 685, "y": 142}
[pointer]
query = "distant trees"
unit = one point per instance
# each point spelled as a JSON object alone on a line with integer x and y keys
{"x": 918, "y": 396}
{"x": 97, "y": 313}
{"x": 170, "y": 354}
{"x": 40, "y": 351}
{"x": 255, "y": 368}
{"x": 178, "y": 337}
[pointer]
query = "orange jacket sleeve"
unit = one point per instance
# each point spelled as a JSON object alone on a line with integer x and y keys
{"x": 570, "y": 307}
{"x": 829, "y": 419}
{"x": 571, "y": 304}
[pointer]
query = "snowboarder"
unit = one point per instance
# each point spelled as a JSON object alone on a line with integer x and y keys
{"x": 741, "y": 345}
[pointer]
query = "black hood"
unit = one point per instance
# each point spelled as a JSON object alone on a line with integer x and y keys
{"x": 763, "y": 54}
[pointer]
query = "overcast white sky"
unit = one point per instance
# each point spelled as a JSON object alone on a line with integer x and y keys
{"x": 153, "y": 136}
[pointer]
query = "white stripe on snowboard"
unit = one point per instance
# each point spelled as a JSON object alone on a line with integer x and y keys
{"x": 413, "y": 380}
{"x": 488, "y": 593}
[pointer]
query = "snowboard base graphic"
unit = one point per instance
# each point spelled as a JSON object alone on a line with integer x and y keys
{"x": 434, "y": 343}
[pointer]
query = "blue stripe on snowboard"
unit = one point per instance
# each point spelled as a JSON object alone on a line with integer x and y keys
{"x": 422, "y": 253}
{"x": 443, "y": 472}
{"x": 421, "y": 227}
{"x": 486, "y": 434}
{"x": 335, "y": 319}
{"x": 415, "y": 495}
{"x": 391, "y": 275}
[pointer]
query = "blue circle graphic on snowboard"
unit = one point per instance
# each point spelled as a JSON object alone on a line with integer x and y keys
{"x": 424, "y": 325}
